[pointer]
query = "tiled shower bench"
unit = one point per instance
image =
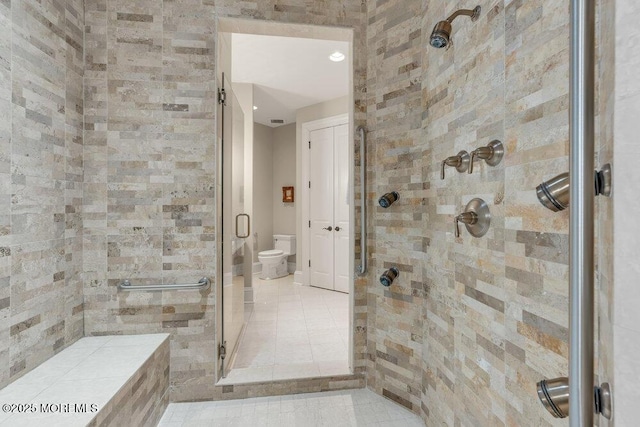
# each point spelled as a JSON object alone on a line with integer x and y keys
{"x": 97, "y": 381}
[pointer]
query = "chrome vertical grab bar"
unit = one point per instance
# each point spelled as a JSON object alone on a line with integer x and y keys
{"x": 363, "y": 198}
{"x": 581, "y": 227}
{"x": 202, "y": 284}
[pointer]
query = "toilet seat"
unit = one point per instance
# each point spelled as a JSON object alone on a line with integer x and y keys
{"x": 271, "y": 253}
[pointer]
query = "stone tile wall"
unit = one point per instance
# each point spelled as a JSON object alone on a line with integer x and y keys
{"x": 150, "y": 173}
{"x": 472, "y": 324}
{"x": 150, "y": 167}
{"x": 395, "y": 162}
{"x": 605, "y": 90}
{"x": 41, "y": 171}
{"x": 144, "y": 397}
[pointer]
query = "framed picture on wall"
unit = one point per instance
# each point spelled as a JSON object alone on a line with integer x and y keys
{"x": 287, "y": 194}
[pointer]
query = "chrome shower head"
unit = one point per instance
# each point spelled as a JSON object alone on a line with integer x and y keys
{"x": 554, "y": 193}
{"x": 441, "y": 34}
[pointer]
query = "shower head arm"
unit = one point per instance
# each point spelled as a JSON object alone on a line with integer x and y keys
{"x": 473, "y": 13}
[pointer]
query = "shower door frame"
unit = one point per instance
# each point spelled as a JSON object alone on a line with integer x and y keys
{"x": 284, "y": 29}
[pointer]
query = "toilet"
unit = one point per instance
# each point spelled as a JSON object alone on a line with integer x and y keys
{"x": 274, "y": 262}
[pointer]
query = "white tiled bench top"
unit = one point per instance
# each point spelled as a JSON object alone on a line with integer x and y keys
{"x": 90, "y": 371}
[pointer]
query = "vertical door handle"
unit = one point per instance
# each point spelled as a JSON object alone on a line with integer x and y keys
{"x": 248, "y": 226}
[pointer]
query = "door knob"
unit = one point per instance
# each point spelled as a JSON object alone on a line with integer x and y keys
{"x": 329, "y": 228}
{"x": 337, "y": 228}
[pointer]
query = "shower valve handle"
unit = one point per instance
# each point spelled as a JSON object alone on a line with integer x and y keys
{"x": 459, "y": 161}
{"x": 476, "y": 218}
{"x": 492, "y": 154}
{"x": 469, "y": 218}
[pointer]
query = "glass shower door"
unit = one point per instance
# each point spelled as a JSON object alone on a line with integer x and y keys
{"x": 235, "y": 223}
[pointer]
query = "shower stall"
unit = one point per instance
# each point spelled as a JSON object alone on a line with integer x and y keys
{"x": 485, "y": 138}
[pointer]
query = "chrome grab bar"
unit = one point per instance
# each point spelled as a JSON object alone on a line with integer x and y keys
{"x": 578, "y": 392}
{"x": 202, "y": 284}
{"x": 248, "y": 226}
{"x": 363, "y": 208}
{"x": 581, "y": 215}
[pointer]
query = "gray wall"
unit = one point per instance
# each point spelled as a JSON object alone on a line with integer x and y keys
{"x": 284, "y": 175}
{"x": 263, "y": 187}
{"x": 621, "y": 41}
{"x": 41, "y": 174}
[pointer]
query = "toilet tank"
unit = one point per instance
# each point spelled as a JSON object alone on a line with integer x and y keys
{"x": 285, "y": 242}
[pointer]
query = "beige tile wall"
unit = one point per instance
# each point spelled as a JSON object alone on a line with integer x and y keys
{"x": 472, "y": 324}
{"x": 605, "y": 85}
{"x": 395, "y": 162}
{"x": 41, "y": 145}
{"x": 142, "y": 400}
{"x": 150, "y": 174}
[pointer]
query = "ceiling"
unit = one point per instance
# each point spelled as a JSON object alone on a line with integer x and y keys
{"x": 288, "y": 73}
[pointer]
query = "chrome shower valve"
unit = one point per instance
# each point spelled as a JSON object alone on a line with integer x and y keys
{"x": 492, "y": 154}
{"x": 476, "y": 218}
{"x": 460, "y": 162}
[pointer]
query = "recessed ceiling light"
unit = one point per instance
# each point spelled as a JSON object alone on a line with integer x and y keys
{"x": 337, "y": 56}
{"x": 255, "y": 108}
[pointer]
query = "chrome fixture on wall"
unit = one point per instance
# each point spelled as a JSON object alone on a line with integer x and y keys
{"x": 554, "y": 395}
{"x": 441, "y": 34}
{"x": 459, "y": 161}
{"x": 554, "y": 193}
{"x": 202, "y": 285}
{"x": 389, "y": 276}
{"x": 583, "y": 401}
{"x": 476, "y": 218}
{"x": 492, "y": 154}
{"x": 362, "y": 268}
{"x": 388, "y": 199}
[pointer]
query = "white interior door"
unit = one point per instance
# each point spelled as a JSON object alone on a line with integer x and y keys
{"x": 329, "y": 208}
{"x": 341, "y": 208}
{"x": 321, "y": 208}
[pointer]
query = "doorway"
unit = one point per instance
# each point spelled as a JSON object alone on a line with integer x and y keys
{"x": 327, "y": 238}
{"x": 282, "y": 80}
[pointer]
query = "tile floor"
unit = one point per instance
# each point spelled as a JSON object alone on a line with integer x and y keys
{"x": 291, "y": 332}
{"x": 332, "y": 409}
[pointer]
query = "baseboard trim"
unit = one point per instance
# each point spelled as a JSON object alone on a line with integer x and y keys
{"x": 298, "y": 277}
